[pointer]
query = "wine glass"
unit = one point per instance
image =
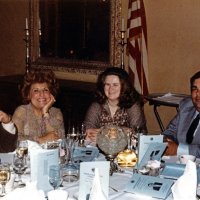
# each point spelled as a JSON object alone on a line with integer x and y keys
{"x": 55, "y": 176}
{"x": 70, "y": 170}
{"x": 22, "y": 148}
{"x": 4, "y": 176}
{"x": 19, "y": 167}
{"x": 62, "y": 152}
{"x": 82, "y": 136}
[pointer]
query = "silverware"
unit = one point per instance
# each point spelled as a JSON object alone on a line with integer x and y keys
{"x": 115, "y": 190}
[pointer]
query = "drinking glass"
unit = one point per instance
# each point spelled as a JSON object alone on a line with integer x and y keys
{"x": 82, "y": 136}
{"x": 62, "y": 152}
{"x": 55, "y": 176}
{"x": 70, "y": 170}
{"x": 19, "y": 167}
{"x": 4, "y": 177}
{"x": 22, "y": 148}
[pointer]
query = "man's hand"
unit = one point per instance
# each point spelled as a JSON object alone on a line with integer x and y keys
{"x": 171, "y": 148}
{"x": 5, "y": 118}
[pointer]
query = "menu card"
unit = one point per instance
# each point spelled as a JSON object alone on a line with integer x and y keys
{"x": 87, "y": 174}
{"x": 84, "y": 154}
{"x": 7, "y": 157}
{"x": 150, "y": 186}
{"x": 172, "y": 170}
{"x": 40, "y": 160}
{"x": 153, "y": 152}
{"x": 144, "y": 141}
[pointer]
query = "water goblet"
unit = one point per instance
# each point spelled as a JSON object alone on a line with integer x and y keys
{"x": 62, "y": 152}
{"x": 22, "y": 151}
{"x": 70, "y": 170}
{"x": 55, "y": 176}
{"x": 4, "y": 177}
{"x": 22, "y": 148}
{"x": 82, "y": 136}
{"x": 19, "y": 167}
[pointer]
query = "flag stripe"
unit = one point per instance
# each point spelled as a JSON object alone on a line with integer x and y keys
{"x": 137, "y": 45}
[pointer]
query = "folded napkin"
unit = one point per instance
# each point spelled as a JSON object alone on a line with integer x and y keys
{"x": 57, "y": 195}
{"x": 96, "y": 190}
{"x": 29, "y": 192}
{"x": 185, "y": 187}
{"x": 33, "y": 145}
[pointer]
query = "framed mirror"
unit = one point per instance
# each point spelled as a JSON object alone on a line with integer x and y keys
{"x": 75, "y": 36}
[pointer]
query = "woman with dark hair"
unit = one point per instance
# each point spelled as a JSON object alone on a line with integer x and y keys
{"x": 37, "y": 120}
{"x": 116, "y": 102}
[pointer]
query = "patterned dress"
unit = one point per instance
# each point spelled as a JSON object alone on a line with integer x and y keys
{"x": 100, "y": 115}
{"x": 29, "y": 126}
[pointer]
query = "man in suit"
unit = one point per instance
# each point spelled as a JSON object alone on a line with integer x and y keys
{"x": 8, "y": 135}
{"x": 179, "y": 129}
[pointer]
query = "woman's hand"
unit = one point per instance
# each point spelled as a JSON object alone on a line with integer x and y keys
{"x": 46, "y": 108}
{"x": 91, "y": 134}
{"x": 52, "y": 136}
{"x": 5, "y": 118}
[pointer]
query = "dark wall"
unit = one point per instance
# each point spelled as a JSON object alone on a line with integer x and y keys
{"x": 73, "y": 98}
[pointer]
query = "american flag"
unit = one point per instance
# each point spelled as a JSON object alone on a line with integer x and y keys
{"x": 137, "y": 45}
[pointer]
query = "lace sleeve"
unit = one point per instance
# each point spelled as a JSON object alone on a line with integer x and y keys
{"x": 92, "y": 116}
{"x": 18, "y": 119}
{"x": 137, "y": 118}
{"x": 57, "y": 122}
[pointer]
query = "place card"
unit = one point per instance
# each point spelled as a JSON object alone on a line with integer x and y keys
{"x": 149, "y": 186}
{"x": 153, "y": 152}
{"x": 172, "y": 171}
{"x": 144, "y": 141}
{"x": 40, "y": 160}
{"x": 85, "y": 154}
{"x": 7, "y": 157}
{"x": 87, "y": 172}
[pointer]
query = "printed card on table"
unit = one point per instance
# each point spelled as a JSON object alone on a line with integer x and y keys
{"x": 153, "y": 152}
{"x": 87, "y": 176}
{"x": 40, "y": 160}
{"x": 7, "y": 157}
{"x": 144, "y": 141}
{"x": 149, "y": 186}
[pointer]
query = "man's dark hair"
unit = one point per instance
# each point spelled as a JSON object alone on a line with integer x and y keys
{"x": 194, "y": 77}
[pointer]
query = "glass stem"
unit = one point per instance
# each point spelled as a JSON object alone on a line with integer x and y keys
{"x": 19, "y": 178}
{"x": 3, "y": 191}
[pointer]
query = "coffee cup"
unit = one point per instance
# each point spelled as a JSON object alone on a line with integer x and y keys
{"x": 184, "y": 158}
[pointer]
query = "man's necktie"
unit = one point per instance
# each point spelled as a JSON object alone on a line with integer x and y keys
{"x": 193, "y": 126}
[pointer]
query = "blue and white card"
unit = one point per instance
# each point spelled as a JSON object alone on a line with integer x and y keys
{"x": 85, "y": 154}
{"x": 153, "y": 152}
{"x": 87, "y": 176}
{"x": 7, "y": 157}
{"x": 149, "y": 186}
{"x": 144, "y": 141}
{"x": 172, "y": 170}
{"x": 40, "y": 160}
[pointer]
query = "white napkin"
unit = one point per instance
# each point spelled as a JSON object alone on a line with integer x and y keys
{"x": 57, "y": 195}
{"x": 185, "y": 187}
{"x": 96, "y": 190}
{"x": 29, "y": 192}
{"x": 33, "y": 145}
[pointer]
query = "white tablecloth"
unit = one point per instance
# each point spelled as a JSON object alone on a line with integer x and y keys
{"x": 117, "y": 185}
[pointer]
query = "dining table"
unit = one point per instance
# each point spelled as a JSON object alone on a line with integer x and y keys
{"x": 117, "y": 183}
